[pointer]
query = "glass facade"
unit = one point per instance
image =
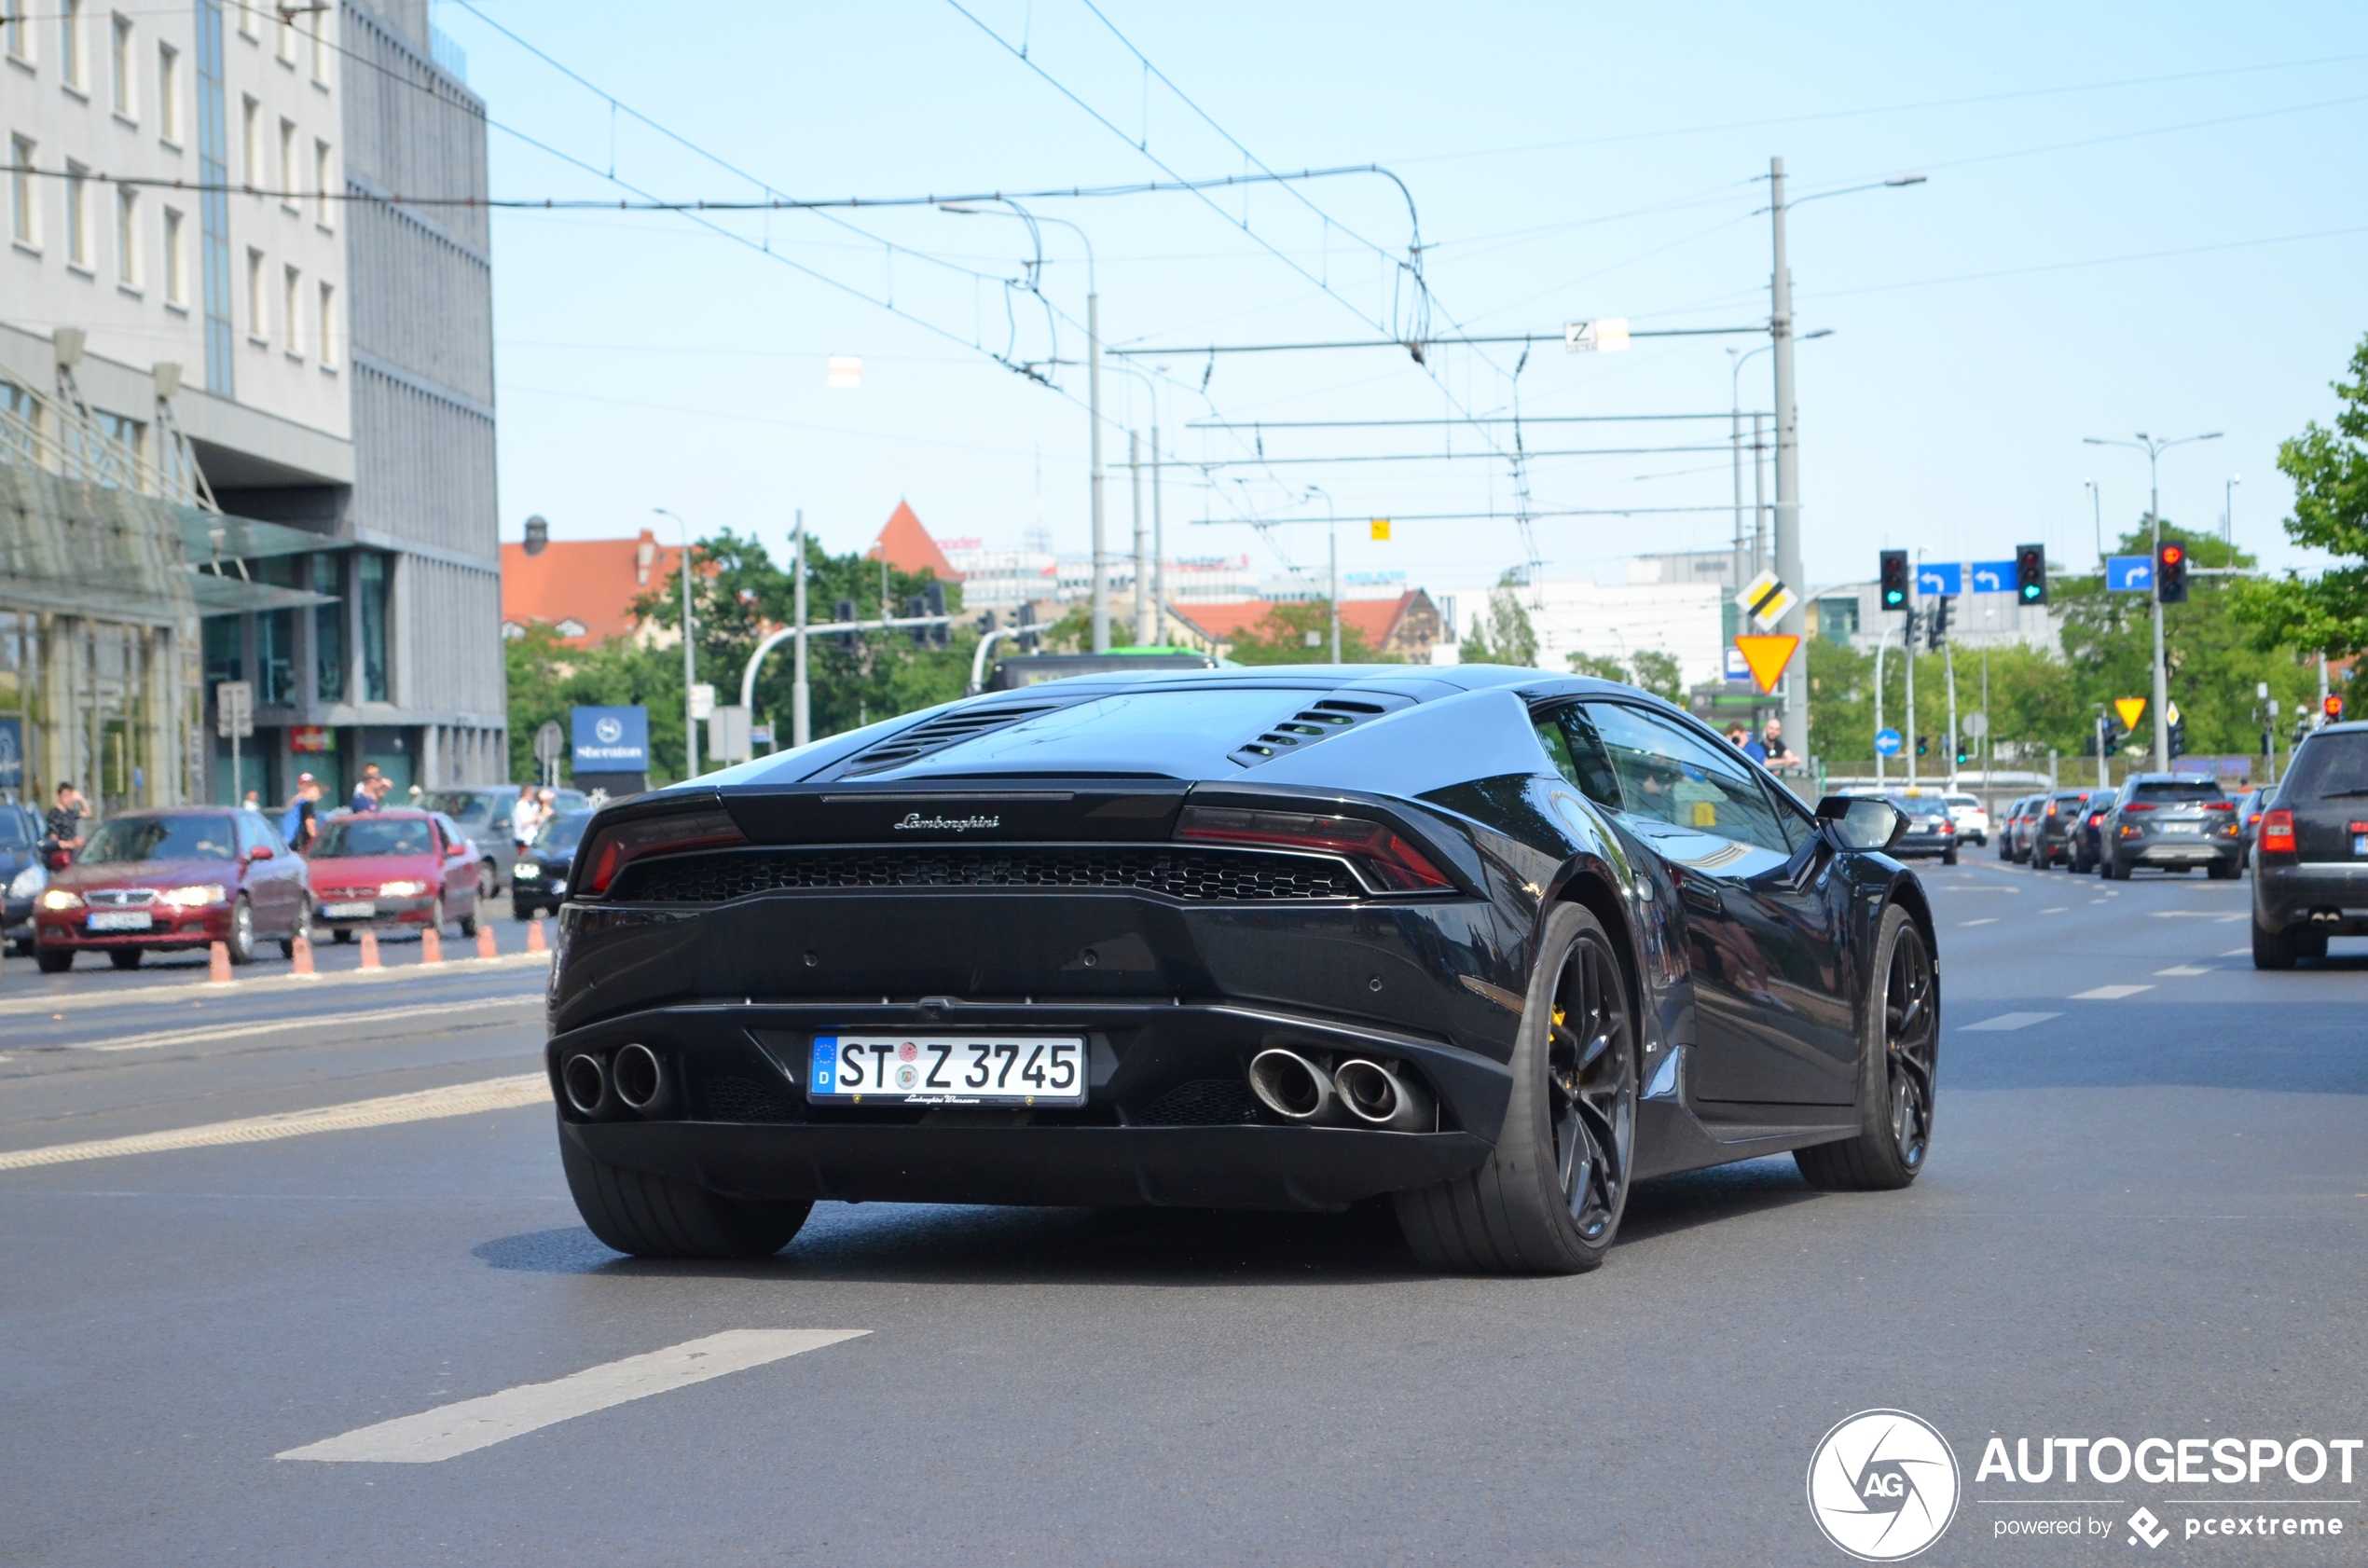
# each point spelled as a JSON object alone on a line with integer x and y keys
{"x": 328, "y": 632}
{"x": 371, "y": 586}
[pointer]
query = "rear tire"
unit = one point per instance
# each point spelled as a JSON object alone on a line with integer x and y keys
{"x": 2222, "y": 870}
{"x": 1548, "y": 1200}
{"x": 469, "y": 922}
{"x": 646, "y": 1215}
{"x": 1899, "y": 1063}
{"x": 341, "y": 934}
{"x": 125, "y": 957}
{"x": 2273, "y": 950}
{"x": 1949, "y": 857}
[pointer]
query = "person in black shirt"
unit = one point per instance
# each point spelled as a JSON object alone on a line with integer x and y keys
{"x": 63, "y": 830}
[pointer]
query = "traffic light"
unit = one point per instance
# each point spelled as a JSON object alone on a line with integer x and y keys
{"x": 1894, "y": 577}
{"x": 1923, "y": 746}
{"x": 843, "y": 611}
{"x": 1936, "y": 624}
{"x": 2170, "y": 573}
{"x": 1026, "y": 621}
{"x": 915, "y": 608}
{"x": 2177, "y": 734}
{"x": 2333, "y": 707}
{"x": 1964, "y": 751}
{"x": 2031, "y": 574}
{"x": 934, "y": 603}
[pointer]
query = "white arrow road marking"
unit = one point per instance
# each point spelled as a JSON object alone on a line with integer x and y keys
{"x": 2109, "y": 993}
{"x": 452, "y": 1430}
{"x": 2005, "y": 1020}
{"x": 459, "y": 1099}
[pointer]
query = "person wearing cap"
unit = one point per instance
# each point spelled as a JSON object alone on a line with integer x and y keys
{"x": 297, "y": 824}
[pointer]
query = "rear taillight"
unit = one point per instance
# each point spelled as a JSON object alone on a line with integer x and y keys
{"x": 2278, "y": 834}
{"x": 2220, "y": 805}
{"x": 2138, "y": 805}
{"x": 1375, "y": 848}
{"x": 2051, "y": 808}
{"x": 615, "y": 847}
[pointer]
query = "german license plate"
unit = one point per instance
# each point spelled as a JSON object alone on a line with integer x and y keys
{"x": 2183, "y": 826}
{"x": 349, "y": 911}
{"x": 948, "y": 1071}
{"x": 120, "y": 920}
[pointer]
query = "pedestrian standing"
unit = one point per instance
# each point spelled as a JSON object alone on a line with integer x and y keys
{"x": 253, "y": 801}
{"x": 63, "y": 830}
{"x": 524, "y": 817}
{"x": 1778, "y": 755}
{"x": 301, "y": 823}
{"x": 365, "y": 790}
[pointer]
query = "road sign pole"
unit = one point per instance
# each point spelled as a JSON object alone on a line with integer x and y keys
{"x": 1907, "y": 652}
{"x": 1948, "y": 662}
{"x": 1780, "y": 331}
{"x": 2162, "y": 681}
{"x": 1882, "y": 642}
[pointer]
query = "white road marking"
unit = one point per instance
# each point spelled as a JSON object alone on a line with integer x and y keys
{"x": 2109, "y": 993}
{"x": 2232, "y": 919}
{"x": 182, "y": 995}
{"x": 274, "y": 1025}
{"x": 2060, "y": 909}
{"x": 425, "y": 1105}
{"x": 452, "y": 1430}
{"x": 2237, "y": 952}
{"x": 2185, "y": 968}
{"x": 2005, "y": 1020}
{"x": 2193, "y": 915}
{"x": 1985, "y": 920}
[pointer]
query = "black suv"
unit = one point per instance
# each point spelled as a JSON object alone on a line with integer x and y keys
{"x": 2051, "y": 833}
{"x": 2173, "y": 823}
{"x": 2310, "y": 861}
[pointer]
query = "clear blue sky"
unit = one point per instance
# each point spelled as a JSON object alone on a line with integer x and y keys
{"x": 2137, "y": 218}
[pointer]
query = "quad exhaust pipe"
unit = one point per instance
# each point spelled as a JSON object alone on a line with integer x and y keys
{"x": 632, "y": 1080}
{"x": 1358, "y": 1092}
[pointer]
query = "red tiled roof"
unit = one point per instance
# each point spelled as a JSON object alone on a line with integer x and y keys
{"x": 1222, "y": 623}
{"x": 591, "y": 582}
{"x": 909, "y": 547}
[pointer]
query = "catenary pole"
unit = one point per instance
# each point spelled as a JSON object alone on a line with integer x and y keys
{"x": 801, "y": 715}
{"x": 1142, "y": 542}
{"x": 1788, "y": 567}
{"x": 690, "y": 653}
{"x": 1094, "y": 413}
{"x": 1159, "y": 551}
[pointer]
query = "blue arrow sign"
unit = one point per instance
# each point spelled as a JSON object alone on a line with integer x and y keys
{"x": 1887, "y": 743}
{"x": 1993, "y": 577}
{"x": 1938, "y": 579}
{"x": 2129, "y": 574}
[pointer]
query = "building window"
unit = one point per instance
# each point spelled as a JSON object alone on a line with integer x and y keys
{"x": 292, "y": 312}
{"x": 127, "y": 237}
{"x": 20, "y": 30}
{"x": 69, "y": 63}
{"x": 370, "y": 568}
{"x": 275, "y": 659}
{"x": 286, "y": 36}
{"x": 258, "y": 308}
{"x": 77, "y": 215}
{"x": 321, "y": 48}
{"x": 176, "y": 261}
{"x": 251, "y": 144}
{"x": 127, "y": 102}
{"x": 246, "y": 18}
{"x": 321, "y": 182}
{"x": 287, "y": 164}
{"x": 221, "y": 651}
{"x": 327, "y": 339}
{"x": 1838, "y": 619}
{"x": 328, "y": 633}
{"x": 168, "y": 92}
{"x": 23, "y": 225}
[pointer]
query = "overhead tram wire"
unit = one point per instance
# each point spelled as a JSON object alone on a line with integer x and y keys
{"x": 1193, "y": 350}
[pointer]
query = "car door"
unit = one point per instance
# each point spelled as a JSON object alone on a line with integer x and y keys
{"x": 266, "y": 884}
{"x": 455, "y": 865}
{"x": 1760, "y": 906}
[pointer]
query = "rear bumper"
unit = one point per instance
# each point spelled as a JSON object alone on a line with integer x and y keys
{"x": 390, "y": 912}
{"x": 2177, "y": 852}
{"x": 1213, "y": 1167}
{"x": 2330, "y": 896}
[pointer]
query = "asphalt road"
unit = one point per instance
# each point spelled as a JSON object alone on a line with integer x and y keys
{"x": 2143, "y": 1216}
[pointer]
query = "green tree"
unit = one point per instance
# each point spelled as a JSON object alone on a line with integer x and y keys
{"x": 547, "y": 678}
{"x": 1281, "y": 637}
{"x": 1502, "y": 635}
{"x": 2330, "y": 472}
{"x": 1650, "y": 670}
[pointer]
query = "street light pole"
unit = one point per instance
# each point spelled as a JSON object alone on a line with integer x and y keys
{"x": 1332, "y": 532}
{"x": 690, "y": 653}
{"x": 801, "y": 716}
{"x": 1779, "y": 331}
{"x": 2153, "y": 451}
{"x": 1142, "y": 542}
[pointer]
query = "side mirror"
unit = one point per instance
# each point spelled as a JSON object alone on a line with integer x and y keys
{"x": 260, "y": 852}
{"x": 1862, "y": 821}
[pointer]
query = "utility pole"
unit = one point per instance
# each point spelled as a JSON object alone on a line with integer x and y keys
{"x": 1094, "y": 413}
{"x": 1908, "y": 646}
{"x": 1142, "y": 545}
{"x": 1159, "y": 549}
{"x": 2100, "y": 745}
{"x": 1989, "y": 729}
{"x": 1948, "y": 662}
{"x": 690, "y": 653}
{"x": 1789, "y": 568}
{"x": 801, "y": 718}
{"x": 2153, "y": 451}
{"x": 1882, "y": 642}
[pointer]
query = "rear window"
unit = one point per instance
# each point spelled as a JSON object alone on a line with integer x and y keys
{"x": 472, "y": 809}
{"x": 2330, "y": 767}
{"x": 2200, "y": 790}
{"x": 1919, "y": 805}
{"x": 561, "y": 835}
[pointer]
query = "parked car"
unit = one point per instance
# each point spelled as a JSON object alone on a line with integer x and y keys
{"x": 1971, "y": 817}
{"x": 395, "y": 868}
{"x": 160, "y": 881}
{"x": 22, "y": 874}
{"x": 2173, "y": 823}
{"x": 539, "y": 880}
{"x": 484, "y": 812}
{"x": 2310, "y": 872}
{"x": 2052, "y": 826}
{"x": 2087, "y": 830}
{"x": 1930, "y": 830}
{"x": 1438, "y": 947}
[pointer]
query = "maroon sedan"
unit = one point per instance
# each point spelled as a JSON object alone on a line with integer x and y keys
{"x": 158, "y": 881}
{"x": 394, "y": 868}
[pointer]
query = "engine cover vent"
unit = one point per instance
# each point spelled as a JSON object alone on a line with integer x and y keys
{"x": 946, "y": 729}
{"x": 1326, "y": 716}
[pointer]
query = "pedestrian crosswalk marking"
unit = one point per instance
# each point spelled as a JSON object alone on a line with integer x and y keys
{"x": 450, "y": 1431}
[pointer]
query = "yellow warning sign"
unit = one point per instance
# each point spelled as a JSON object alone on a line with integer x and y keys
{"x": 2131, "y": 710}
{"x": 1768, "y": 657}
{"x": 1381, "y": 528}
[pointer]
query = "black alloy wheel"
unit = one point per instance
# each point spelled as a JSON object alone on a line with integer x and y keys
{"x": 1899, "y": 1073}
{"x": 1549, "y": 1199}
{"x": 240, "y": 940}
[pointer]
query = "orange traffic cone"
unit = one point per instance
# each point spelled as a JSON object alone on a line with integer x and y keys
{"x": 534, "y": 942}
{"x": 302, "y": 955}
{"x": 370, "y": 951}
{"x": 485, "y": 948}
{"x": 218, "y": 963}
{"x": 431, "y": 945}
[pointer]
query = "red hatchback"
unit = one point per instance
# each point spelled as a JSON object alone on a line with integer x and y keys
{"x": 158, "y": 881}
{"x": 394, "y": 868}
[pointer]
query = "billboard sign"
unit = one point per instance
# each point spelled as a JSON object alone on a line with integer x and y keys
{"x": 610, "y": 739}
